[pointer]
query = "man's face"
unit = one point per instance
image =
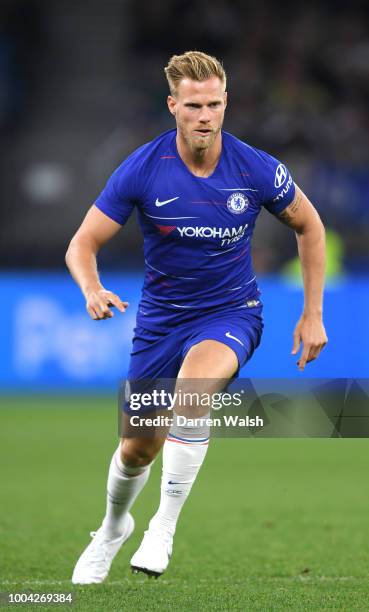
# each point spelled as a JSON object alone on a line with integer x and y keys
{"x": 199, "y": 108}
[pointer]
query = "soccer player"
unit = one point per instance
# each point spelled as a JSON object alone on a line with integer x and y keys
{"x": 198, "y": 191}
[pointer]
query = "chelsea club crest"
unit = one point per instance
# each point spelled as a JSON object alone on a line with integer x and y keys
{"x": 237, "y": 203}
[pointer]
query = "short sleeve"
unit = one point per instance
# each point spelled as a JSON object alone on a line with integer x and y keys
{"x": 119, "y": 195}
{"x": 278, "y": 188}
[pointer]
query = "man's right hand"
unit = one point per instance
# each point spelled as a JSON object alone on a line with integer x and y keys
{"x": 98, "y": 304}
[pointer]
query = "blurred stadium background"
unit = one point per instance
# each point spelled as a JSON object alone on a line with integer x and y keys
{"x": 81, "y": 86}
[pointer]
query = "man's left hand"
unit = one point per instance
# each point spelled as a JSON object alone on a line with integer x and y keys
{"x": 310, "y": 331}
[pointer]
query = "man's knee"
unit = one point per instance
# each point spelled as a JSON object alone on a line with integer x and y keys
{"x": 137, "y": 452}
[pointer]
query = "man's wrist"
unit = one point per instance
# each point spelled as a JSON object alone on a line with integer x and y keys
{"x": 91, "y": 289}
{"x": 313, "y": 312}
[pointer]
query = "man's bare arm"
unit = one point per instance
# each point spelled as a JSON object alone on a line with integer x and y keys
{"x": 302, "y": 217}
{"x": 95, "y": 230}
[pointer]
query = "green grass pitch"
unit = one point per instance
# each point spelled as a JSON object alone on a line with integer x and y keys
{"x": 270, "y": 524}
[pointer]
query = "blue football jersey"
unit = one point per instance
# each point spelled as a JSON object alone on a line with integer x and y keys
{"x": 197, "y": 231}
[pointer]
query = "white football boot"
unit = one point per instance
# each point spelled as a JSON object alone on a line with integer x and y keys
{"x": 94, "y": 564}
{"x": 154, "y": 553}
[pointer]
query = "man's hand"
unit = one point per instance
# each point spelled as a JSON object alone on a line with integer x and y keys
{"x": 310, "y": 331}
{"x": 98, "y": 304}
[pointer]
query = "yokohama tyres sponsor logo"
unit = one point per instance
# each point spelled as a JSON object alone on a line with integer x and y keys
{"x": 285, "y": 190}
{"x": 212, "y": 232}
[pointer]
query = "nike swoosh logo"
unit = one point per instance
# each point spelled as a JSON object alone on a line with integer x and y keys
{"x": 229, "y": 335}
{"x": 158, "y": 203}
{"x": 171, "y": 482}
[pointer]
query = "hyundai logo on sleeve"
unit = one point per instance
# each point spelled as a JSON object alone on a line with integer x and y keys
{"x": 280, "y": 175}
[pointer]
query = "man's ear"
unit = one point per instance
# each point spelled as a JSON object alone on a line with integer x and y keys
{"x": 172, "y": 103}
{"x": 225, "y": 98}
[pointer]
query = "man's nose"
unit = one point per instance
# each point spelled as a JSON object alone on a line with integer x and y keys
{"x": 204, "y": 115}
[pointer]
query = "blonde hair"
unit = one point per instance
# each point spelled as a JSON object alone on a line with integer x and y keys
{"x": 193, "y": 65}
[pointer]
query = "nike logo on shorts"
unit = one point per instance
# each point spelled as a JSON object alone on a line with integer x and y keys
{"x": 158, "y": 203}
{"x": 229, "y": 335}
